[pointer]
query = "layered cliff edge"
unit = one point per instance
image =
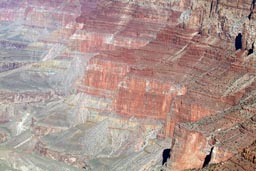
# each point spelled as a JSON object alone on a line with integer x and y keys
{"x": 244, "y": 160}
{"x": 179, "y": 69}
{"x": 205, "y": 50}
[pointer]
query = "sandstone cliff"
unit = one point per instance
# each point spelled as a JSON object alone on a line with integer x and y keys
{"x": 204, "y": 51}
{"x": 89, "y": 82}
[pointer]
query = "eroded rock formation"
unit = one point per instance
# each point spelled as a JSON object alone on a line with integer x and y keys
{"x": 196, "y": 54}
{"x": 86, "y": 82}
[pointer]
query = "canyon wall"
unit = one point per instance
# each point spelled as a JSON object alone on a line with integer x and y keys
{"x": 202, "y": 49}
{"x": 125, "y": 75}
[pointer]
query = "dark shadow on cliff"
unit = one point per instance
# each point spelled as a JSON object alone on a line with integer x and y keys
{"x": 238, "y": 41}
{"x": 250, "y": 51}
{"x": 208, "y": 158}
{"x": 166, "y": 155}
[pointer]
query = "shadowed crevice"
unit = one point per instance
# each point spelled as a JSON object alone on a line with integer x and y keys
{"x": 208, "y": 158}
{"x": 250, "y": 51}
{"x": 166, "y": 155}
{"x": 238, "y": 41}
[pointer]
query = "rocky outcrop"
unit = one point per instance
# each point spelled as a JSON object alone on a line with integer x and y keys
{"x": 3, "y": 137}
{"x": 227, "y": 133}
{"x": 190, "y": 143}
{"x": 152, "y": 97}
{"x": 27, "y": 97}
{"x": 241, "y": 161}
{"x": 70, "y": 159}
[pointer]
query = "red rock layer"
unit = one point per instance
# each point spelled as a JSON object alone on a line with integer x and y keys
{"x": 141, "y": 91}
{"x": 104, "y": 74}
{"x": 228, "y": 133}
{"x": 242, "y": 161}
{"x": 149, "y": 98}
{"x": 113, "y": 24}
{"x": 174, "y": 56}
{"x": 191, "y": 143}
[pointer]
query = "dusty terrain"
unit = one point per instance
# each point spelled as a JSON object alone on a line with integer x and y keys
{"x": 109, "y": 85}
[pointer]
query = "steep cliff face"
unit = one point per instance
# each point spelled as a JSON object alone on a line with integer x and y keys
{"x": 126, "y": 74}
{"x": 203, "y": 47}
{"x": 142, "y": 97}
{"x": 109, "y": 74}
{"x": 244, "y": 160}
{"x": 108, "y": 25}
